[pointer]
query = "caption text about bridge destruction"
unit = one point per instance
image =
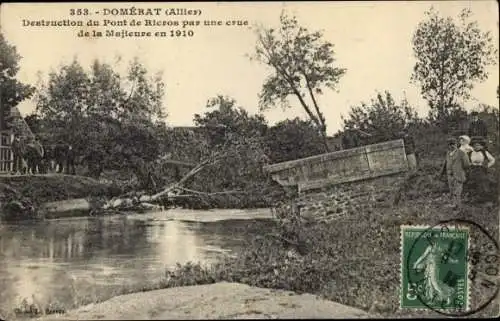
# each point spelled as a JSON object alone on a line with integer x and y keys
{"x": 132, "y": 22}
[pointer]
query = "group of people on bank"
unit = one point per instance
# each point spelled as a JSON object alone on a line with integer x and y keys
{"x": 467, "y": 162}
{"x": 31, "y": 157}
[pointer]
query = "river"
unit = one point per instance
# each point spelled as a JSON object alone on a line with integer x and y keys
{"x": 68, "y": 261}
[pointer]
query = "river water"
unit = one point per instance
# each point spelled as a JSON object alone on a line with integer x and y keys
{"x": 68, "y": 261}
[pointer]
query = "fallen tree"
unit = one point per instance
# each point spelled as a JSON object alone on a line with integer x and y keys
{"x": 177, "y": 189}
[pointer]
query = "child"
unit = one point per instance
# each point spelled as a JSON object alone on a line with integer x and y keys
{"x": 456, "y": 163}
{"x": 480, "y": 160}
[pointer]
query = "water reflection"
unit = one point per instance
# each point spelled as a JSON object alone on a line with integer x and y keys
{"x": 65, "y": 260}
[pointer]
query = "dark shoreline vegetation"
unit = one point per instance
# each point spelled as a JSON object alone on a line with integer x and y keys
{"x": 22, "y": 197}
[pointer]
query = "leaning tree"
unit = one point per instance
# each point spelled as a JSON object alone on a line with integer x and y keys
{"x": 303, "y": 65}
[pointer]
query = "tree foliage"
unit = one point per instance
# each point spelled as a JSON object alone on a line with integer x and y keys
{"x": 102, "y": 113}
{"x": 12, "y": 91}
{"x": 383, "y": 118}
{"x": 293, "y": 139}
{"x": 451, "y": 57}
{"x": 34, "y": 123}
{"x": 302, "y": 64}
{"x": 232, "y": 130}
{"x": 226, "y": 121}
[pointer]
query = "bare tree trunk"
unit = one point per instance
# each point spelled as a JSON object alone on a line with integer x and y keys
{"x": 321, "y": 119}
{"x": 325, "y": 140}
{"x": 179, "y": 183}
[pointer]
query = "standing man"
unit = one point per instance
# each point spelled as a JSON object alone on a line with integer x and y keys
{"x": 455, "y": 166}
{"x": 70, "y": 160}
{"x": 17, "y": 152}
{"x": 49, "y": 158}
{"x": 34, "y": 154}
{"x": 40, "y": 154}
{"x": 60, "y": 156}
{"x": 477, "y": 127}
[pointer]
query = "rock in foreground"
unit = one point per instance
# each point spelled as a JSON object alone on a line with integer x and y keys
{"x": 213, "y": 301}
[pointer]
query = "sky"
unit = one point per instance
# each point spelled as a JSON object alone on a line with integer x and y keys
{"x": 372, "y": 41}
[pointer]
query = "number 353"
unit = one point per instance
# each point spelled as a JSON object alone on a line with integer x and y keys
{"x": 78, "y": 12}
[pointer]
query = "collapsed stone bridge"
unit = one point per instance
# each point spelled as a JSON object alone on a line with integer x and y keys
{"x": 333, "y": 184}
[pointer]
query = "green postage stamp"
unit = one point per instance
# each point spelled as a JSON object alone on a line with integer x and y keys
{"x": 434, "y": 268}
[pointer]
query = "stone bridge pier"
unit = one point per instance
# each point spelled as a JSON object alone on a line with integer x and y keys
{"x": 334, "y": 184}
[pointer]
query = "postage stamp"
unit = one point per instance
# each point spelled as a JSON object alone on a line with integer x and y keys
{"x": 434, "y": 268}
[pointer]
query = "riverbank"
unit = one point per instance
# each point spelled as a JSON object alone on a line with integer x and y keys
{"x": 53, "y": 187}
{"x": 27, "y": 197}
{"x": 59, "y": 196}
{"x": 213, "y": 301}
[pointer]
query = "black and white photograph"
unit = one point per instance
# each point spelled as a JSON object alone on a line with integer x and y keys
{"x": 249, "y": 160}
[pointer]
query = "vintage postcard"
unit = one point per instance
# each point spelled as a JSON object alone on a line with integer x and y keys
{"x": 213, "y": 160}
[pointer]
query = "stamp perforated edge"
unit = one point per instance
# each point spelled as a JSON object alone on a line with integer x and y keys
{"x": 402, "y": 263}
{"x": 404, "y": 227}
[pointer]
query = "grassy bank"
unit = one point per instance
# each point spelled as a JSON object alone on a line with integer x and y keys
{"x": 50, "y": 188}
{"x": 354, "y": 260}
{"x": 29, "y": 192}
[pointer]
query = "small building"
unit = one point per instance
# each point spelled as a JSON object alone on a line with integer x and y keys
{"x": 18, "y": 127}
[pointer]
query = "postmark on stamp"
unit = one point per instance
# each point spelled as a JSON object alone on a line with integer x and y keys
{"x": 434, "y": 267}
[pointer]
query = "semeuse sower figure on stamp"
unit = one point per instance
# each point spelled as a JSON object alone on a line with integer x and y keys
{"x": 429, "y": 263}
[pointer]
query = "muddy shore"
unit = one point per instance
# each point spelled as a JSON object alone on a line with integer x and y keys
{"x": 214, "y": 301}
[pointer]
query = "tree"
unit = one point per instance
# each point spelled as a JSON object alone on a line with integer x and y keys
{"x": 451, "y": 57}
{"x": 293, "y": 139}
{"x": 104, "y": 114}
{"x": 34, "y": 123}
{"x": 107, "y": 95}
{"x": 12, "y": 92}
{"x": 146, "y": 92}
{"x": 382, "y": 119}
{"x": 225, "y": 121}
{"x": 303, "y": 64}
{"x": 491, "y": 116}
{"x": 63, "y": 103}
{"x": 232, "y": 131}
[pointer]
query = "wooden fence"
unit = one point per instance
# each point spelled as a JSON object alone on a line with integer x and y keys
{"x": 342, "y": 166}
